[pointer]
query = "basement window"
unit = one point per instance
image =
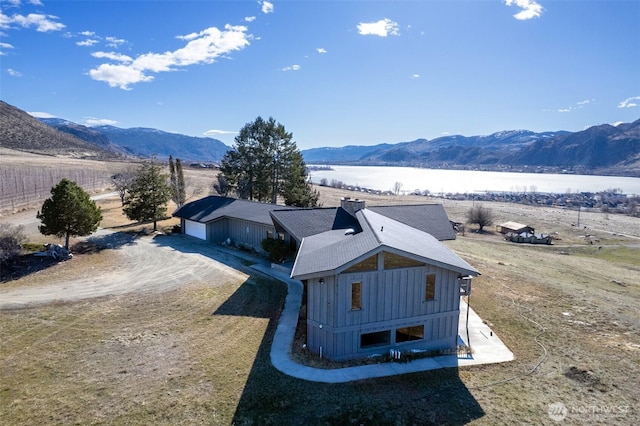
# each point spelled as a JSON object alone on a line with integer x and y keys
{"x": 408, "y": 334}
{"x": 379, "y": 338}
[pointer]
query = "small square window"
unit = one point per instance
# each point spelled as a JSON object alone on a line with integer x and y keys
{"x": 269, "y": 235}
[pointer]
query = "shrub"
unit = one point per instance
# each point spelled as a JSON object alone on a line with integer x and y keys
{"x": 278, "y": 250}
{"x": 11, "y": 240}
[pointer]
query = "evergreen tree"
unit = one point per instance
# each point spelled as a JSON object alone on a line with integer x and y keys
{"x": 69, "y": 212}
{"x": 181, "y": 189}
{"x": 176, "y": 182}
{"x": 297, "y": 191}
{"x": 265, "y": 163}
{"x": 148, "y": 196}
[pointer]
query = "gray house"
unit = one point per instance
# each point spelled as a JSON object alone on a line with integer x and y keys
{"x": 376, "y": 278}
{"x": 242, "y": 223}
{"x": 375, "y": 283}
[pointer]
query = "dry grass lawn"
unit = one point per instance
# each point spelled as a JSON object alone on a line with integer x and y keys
{"x": 199, "y": 353}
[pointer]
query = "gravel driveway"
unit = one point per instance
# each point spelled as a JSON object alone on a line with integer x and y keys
{"x": 141, "y": 264}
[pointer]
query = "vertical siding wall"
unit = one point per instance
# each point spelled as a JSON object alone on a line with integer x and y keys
{"x": 390, "y": 299}
{"x": 239, "y": 231}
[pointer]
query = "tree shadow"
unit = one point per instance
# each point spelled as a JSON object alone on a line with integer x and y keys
{"x": 270, "y": 397}
{"x": 110, "y": 241}
{"x": 27, "y": 264}
{"x": 23, "y": 265}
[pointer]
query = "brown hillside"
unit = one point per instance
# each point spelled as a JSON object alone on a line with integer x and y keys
{"x": 21, "y": 131}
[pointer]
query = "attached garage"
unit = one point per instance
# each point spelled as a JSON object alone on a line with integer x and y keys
{"x": 241, "y": 223}
{"x": 195, "y": 229}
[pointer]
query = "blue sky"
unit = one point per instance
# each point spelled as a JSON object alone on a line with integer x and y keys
{"x": 334, "y": 73}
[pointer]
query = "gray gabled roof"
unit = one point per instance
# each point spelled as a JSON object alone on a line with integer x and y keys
{"x": 302, "y": 223}
{"x": 333, "y": 251}
{"x": 430, "y": 218}
{"x": 211, "y": 208}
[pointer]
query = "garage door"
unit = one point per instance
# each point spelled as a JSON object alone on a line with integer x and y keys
{"x": 195, "y": 229}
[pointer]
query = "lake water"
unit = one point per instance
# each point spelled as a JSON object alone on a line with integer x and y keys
{"x": 468, "y": 181}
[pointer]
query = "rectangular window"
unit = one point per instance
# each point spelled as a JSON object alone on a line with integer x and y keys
{"x": 356, "y": 296}
{"x": 408, "y": 334}
{"x": 280, "y": 236}
{"x": 269, "y": 235}
{"x": 380, "y": 338}
{"x": 430, "y": 287}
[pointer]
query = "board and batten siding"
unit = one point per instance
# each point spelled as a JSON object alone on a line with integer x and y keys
{"x": 240, "y": 232}
{"x": 391, "y": 299}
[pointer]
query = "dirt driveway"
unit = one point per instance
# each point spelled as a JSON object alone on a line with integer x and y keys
{"x": 152, "y": 263}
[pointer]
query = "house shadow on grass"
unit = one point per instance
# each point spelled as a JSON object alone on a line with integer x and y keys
{"x": 271, "y": 397}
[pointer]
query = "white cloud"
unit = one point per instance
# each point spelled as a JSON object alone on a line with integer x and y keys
{"x": 617, "y": 123}
{"x": 92, "y": 121}
{"x": 42, "y": 23}
{"x": 114, "y": 42}
{"x": 291, "y": 68}
{"x": 87, "y": 42}
{"x": 37, "y": 114}
{"x": 415, "y": 75}
{"x": 321, "y": 50}
{"x": 585, "y": 102}
{"x": 215, "y": 132}
{"x": 201, "y": 48}
{"x": 564, "y": 110}
{"x": 249, "y": 18}
{"x": 113, "y": 56}
{"x": 267, "y": 6}
{"x": 382, "y": 28}
{"x": 530, "y": 9}
{"x": 4, "y": 46}
{"x": 87, "y": 33}
{"x": 14, "y": 73}
{"x": 629, "y": 102}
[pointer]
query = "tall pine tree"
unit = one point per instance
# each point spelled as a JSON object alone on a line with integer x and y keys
{"x": 148, "y": 195}
{"x": 69, "y": 212}
{"x": 176, "y": 182}
{"x": 265, "y": 164}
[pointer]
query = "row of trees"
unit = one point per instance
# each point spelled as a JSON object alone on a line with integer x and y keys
{"x": 264, "y": 165}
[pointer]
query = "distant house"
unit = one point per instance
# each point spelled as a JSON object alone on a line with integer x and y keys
{"x": 514, "y": 228}
{"x": 376, "y": 278}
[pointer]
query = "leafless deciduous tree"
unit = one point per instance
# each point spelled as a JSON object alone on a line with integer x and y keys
{"x": 11, "y": 240}
{"x": 480, "y": 215}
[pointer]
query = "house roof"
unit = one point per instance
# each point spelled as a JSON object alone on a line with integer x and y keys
{"x": 302, "y": 223}
{"x": 213, "y": 207}
{"x": 514, "y": 226}
{"x": 335, "y": 250}
{"x": 430, "y": 218}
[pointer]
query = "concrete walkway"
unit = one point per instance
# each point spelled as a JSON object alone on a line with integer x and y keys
{"x": 486, "y": 345}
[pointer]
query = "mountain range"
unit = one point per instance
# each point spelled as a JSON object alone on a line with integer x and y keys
{"x": 602, "y": 149}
